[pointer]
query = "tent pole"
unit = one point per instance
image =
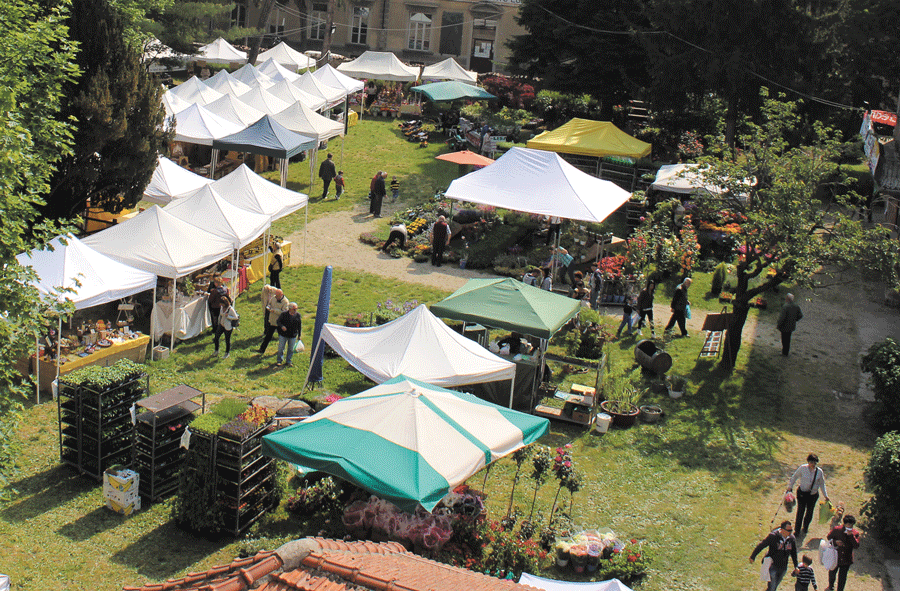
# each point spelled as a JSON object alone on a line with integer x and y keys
{"x": 172, "y": 340}
{"x": 212, "y": 163}
{"x": 58, "y": 352}
{"x": 284, "y": 171}
{"x": 37, "y": 367}
{"x": 152, "y": 334}
{"x": 309, "y": 371}
{"x": 305, "y": 226}
{"x": 512, "y": 389}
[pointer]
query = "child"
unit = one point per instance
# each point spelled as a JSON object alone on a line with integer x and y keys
{"x": 339, "y": 185}
{"x": 805, "y": 575}
{"x": 627, "y": 311}
{"x": 395, "y": 188}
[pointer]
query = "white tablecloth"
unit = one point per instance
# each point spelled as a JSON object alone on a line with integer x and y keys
{"x": 191, "y": 318}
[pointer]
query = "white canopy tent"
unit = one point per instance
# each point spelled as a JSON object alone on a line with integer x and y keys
{"x": 195, "y": 91}
{"x": 331, "y": 94}
{"x": 220, "y": 52}
{"x": 155, "y": 51}
{"x": 291, "y": 94}
{"x": 235, "y": 110}
{"x": 90, "y": 277}
{"x": 225, "y": 83}
{"x": 170, "y": 181}
{"x": 379, "y": 65}
{"x": 276, "y": 71}
{"x": 421, "y": 346}
{"x": 554, "y": 585}
{"x": 540, "y": 182}
{"x": 160, "y": 243}
{"x": 687, "y": 179}
{"x": 262, "y": 100}
{"x": 251, "y": 76}
{"x": 302, "y": 119}
{"x": 198, "y": 125}
{"x": 328, "y": 75}
{"x": 288, "y": 57}
{"x": 207, "y": 209}
{"x": 449, "y": 69}
{"x": 173, "y": 104}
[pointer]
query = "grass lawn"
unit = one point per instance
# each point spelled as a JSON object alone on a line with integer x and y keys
{"x": 700, "y": 487}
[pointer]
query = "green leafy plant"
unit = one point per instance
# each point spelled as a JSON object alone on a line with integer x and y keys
{"x": 720, "y": 274}
{"x": 322, "y": 496}
{"x": 677, "y": 382}
{"x": 883, "y": 362}
{"x": 883, "y": 479}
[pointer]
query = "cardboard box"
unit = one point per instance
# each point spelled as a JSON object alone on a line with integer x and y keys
{"x": 582, "y": 414}
{"x": 160, "y": 353}
{"x": 124, "y": 508}
{"x": 121, "y": 487}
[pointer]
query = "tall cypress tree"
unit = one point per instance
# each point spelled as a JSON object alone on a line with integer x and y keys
{"x": 117, "y": 110}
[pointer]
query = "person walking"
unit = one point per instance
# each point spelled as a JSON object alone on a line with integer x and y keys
{"x": 398, "y": 234}
{"x": 645, "y": 306}
{"x": 845, "y": 539}
{"x": 289, "y": 327}
{"x": 566, "y": 266}
{"x": 780, "y": 546}
{"x": 805, "y": 575}
{"x": 395, "y": 189}
{"x": 679, "y": 306}
{"x": 327, "y": 173}
{"x": 440, "y": 238}
{"x": 276, "y": 264}
{"x": 214, "y": 299}
{"x": 787, "y": 322}
{"x": 339, "y": 185}
{"x": 228, "y": 320}
{"x": 378, "y": 193}
{"x": 596, "y": 284}
{"x": 274, "y": 303}
{"x": 812, "y": 480}
{"x": 627, "y": 313}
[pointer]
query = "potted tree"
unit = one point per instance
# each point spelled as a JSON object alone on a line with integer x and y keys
{"x": 621, "y": 405}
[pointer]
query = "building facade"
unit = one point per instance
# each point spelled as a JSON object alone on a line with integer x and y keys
{"x": 473, "y": 32}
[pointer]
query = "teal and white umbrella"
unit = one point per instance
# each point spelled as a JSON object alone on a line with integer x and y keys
{"x": 406, "y": 441}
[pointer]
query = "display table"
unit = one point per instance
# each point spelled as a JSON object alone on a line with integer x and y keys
{"x": 134, "y": 349}
{"x": 259, "y": 265}
{"x": 410, "y": 109}
{"x": 191, "y": 319}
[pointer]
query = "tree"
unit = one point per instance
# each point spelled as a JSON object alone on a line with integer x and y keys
{"x": 119, "y": 119}
{"x": 36, "y": 61}
{"x": 698, "y": 47}
{"x": 190, "y": 23}
{"x": 795, "y": 231}
{"x": 563, "y": 50}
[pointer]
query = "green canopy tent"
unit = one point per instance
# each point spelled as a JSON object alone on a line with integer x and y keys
{"x": 405, "y": 441}
{"x": 511, "y": 305}
{"x": 451, "y": 91}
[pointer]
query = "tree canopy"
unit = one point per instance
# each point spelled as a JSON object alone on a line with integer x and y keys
{"x": 36, "y": 62}
{"x": 187, "y": 24}
{"x": 118, "y": 115}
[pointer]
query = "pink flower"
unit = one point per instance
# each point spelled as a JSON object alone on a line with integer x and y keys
{"x": 568, "y": 464}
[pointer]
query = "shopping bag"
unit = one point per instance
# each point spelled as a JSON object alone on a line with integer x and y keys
{"x": 764, "y": 569}
{"x": 789, "y": 501}
{"x": 687, "y": 312}
{"x": 825, "y": 512}
{"x": 829, "y": 555}
{"x": 299, "y": 347}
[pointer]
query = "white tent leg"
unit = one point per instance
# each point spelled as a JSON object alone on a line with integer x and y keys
{"x": 284, "y": 171}
{"x": 214, "y": 158}
{"x": 305, "y": 226}
{"x": 58, "y": 352}
{"x": 172, "y": 340}
{"x": 37, "y": 367}
{"x": 512, "y": 389}
{"x": 152, "y": 336}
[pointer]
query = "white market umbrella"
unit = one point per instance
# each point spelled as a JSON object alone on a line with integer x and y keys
{"x": 406, "y": 441}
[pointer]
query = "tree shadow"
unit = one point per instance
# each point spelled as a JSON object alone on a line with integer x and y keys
{"x": 163, "y": 552}
{"x": 46, "y": 491}
{"x": 86, "y": 526}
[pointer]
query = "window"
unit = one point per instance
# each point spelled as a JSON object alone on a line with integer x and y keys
{"x": 359, "y": 26}
{"x": 239, "y": 15}
{"x": 318, "y": 19}
{"x": 451, "y": 33}
{"x": 420, "y": 32}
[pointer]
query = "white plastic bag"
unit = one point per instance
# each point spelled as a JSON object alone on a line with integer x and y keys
{"x": 299, "y": 347}
{"x": 829, "y": 555}
{"x": 764, "y": 569}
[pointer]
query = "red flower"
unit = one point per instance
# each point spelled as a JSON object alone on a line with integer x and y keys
{"x": 633, "y": 541}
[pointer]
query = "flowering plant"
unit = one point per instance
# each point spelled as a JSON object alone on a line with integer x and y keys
{"x": 355, "y": 320}
{"x": 624, "y": 560}
{"x": 320, "y": 497}
{"x": 381, "y": 517}
{"x": 416, "y": 226}
{"x": 390, "y": 310}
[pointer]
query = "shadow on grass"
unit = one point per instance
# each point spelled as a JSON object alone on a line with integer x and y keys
{"x": 165, "y": 551}
{"x": 45, "y": 491}
{"x": 86, "y": 526}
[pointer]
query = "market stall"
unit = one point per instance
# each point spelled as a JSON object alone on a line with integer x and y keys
{"x": 291, "y": 94}
{"x": 170, "y": 181}
{"x": 435, "y": 439}
{"x": 250, "y": 75}
{"x": 219, "y": 52}
{"x": 276, "y": 71}
{"x": 449, "y": 69}
{"x": 71, "y": 270}
{"x": 225, "y": 83}
{"x": 287, "y": 56}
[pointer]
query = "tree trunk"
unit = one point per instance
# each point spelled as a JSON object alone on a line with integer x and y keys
{"x": 735, "y": 332}
{"x": 731, "y": 123}
{"x": 326, "y": 44}
{"x": 261, "y": 24}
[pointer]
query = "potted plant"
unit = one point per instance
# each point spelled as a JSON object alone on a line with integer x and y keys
{"x": 650, "y": 413}
{"x": 562, "y": 553}
{"x": 621, "y": 405}
{"x": 677, "y": 385}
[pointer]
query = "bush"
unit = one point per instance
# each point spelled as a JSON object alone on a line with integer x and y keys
{"x": 883, "y": 362}
{"x": 720, "y": 274}
{"x": 883, "y": 479}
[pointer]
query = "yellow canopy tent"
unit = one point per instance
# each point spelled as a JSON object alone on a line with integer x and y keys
{"x": 585, "y": 137}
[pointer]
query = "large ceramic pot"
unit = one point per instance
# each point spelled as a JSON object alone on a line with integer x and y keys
{"x": 624, "y": 415}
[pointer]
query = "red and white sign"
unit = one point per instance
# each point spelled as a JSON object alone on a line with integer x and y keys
{"x": 884, "y": 117}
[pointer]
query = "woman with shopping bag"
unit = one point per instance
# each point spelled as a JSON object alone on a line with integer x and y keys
{"x": 845, "y": 539}
{"x": 812, "y": 481}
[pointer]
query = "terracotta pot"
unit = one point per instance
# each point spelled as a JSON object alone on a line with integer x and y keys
{"x": 621, "y": 419}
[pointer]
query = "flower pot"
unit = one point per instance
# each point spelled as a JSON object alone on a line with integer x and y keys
{"x": 650, "y": 413}
{"x": 675, "y": 393}
{"x": 620, "y": 419}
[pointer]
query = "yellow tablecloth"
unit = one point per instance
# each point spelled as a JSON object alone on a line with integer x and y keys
{"x": 134, "y": 349}
{"x": 259, "y": 265}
